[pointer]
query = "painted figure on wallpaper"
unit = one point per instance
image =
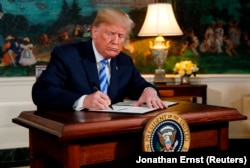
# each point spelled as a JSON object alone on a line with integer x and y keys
{"x": 9, "y": 56}
{"x": 229, "y": 46}
{"x": 27, "y": 57}
{"x": 44, "y": 41}
{"x": 234, "y": 33}
{"x": 16, "y": 49}
{"x": 219, "y": 32}
{"x": 191, "y": 42}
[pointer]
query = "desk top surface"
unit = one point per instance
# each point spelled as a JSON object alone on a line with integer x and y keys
{"x": 84, "y": 124}
{"x": 181, "y": 85}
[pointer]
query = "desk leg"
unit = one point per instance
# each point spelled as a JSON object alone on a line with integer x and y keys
{"x": 194, "y": 100}
{"x": 71, "y": 158}
{"x": 36, "y": 161}
{"x": 204, "y": 100}
{"x": 223, "y": 137}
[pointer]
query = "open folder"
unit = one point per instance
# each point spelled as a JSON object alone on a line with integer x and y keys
{"x": 129, "y": 108}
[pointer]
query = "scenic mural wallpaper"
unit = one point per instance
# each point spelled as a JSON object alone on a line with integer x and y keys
{"x": 216, "y": 33}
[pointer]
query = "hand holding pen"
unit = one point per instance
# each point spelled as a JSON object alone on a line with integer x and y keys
{"x": 95, "y": 86}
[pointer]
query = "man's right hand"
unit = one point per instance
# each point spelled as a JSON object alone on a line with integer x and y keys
{"x": 97, "y": 101}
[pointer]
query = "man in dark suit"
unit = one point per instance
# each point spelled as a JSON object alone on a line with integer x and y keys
{"x": 71, "y": 77}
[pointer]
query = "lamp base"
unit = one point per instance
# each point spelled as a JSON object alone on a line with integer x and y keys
{"x": 159, "y": 77}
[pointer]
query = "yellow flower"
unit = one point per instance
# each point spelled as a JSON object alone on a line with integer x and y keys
{"x": 185, "y": 68}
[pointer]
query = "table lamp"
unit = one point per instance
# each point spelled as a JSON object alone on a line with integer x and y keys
{"x": 160, "y": 21}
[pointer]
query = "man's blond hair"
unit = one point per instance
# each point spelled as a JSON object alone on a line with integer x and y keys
{"x": 114, "y": 16}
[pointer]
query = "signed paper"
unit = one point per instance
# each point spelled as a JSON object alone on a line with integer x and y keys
{"x": 129, "y": 108}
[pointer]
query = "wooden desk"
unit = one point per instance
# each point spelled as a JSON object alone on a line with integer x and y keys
{"x": 178, "y": 90}
{"x": 81, "y": 138}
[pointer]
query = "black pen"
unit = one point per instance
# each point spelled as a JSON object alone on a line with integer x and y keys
{"x": 97, "y": 89}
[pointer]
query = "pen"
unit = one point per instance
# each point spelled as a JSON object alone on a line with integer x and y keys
{"x": 97, "y": 89}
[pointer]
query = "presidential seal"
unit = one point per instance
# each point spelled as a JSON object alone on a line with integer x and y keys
{"x": 166, "y": 132}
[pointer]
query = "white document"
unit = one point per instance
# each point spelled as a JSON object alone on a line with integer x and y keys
{"x": 129, "y": 108}
{"x": 132, "y": 102}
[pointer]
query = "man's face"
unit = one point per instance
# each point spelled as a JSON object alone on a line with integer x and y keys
{"x": 109, "y": 39}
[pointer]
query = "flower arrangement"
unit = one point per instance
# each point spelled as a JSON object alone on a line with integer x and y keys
{"x": 185, "y": 68}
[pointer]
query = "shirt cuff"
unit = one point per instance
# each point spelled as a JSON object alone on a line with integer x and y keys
{"x": 78, "y": 105}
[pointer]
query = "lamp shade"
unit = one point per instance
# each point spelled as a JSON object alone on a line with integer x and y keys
{"x": 160, "y": 20}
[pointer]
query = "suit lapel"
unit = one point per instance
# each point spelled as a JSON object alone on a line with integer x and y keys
{"x": 114, "y": 82}
{"x": 91, "y": 71}
{"x": 89, "y": 64}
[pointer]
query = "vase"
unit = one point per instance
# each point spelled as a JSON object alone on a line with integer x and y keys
{"x": 185, "y": 79}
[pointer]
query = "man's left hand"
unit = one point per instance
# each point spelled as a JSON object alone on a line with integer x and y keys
{"x": 150, "y": 97}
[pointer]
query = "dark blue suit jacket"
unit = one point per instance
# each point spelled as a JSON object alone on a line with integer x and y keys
{"x": 72, "y": 70}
